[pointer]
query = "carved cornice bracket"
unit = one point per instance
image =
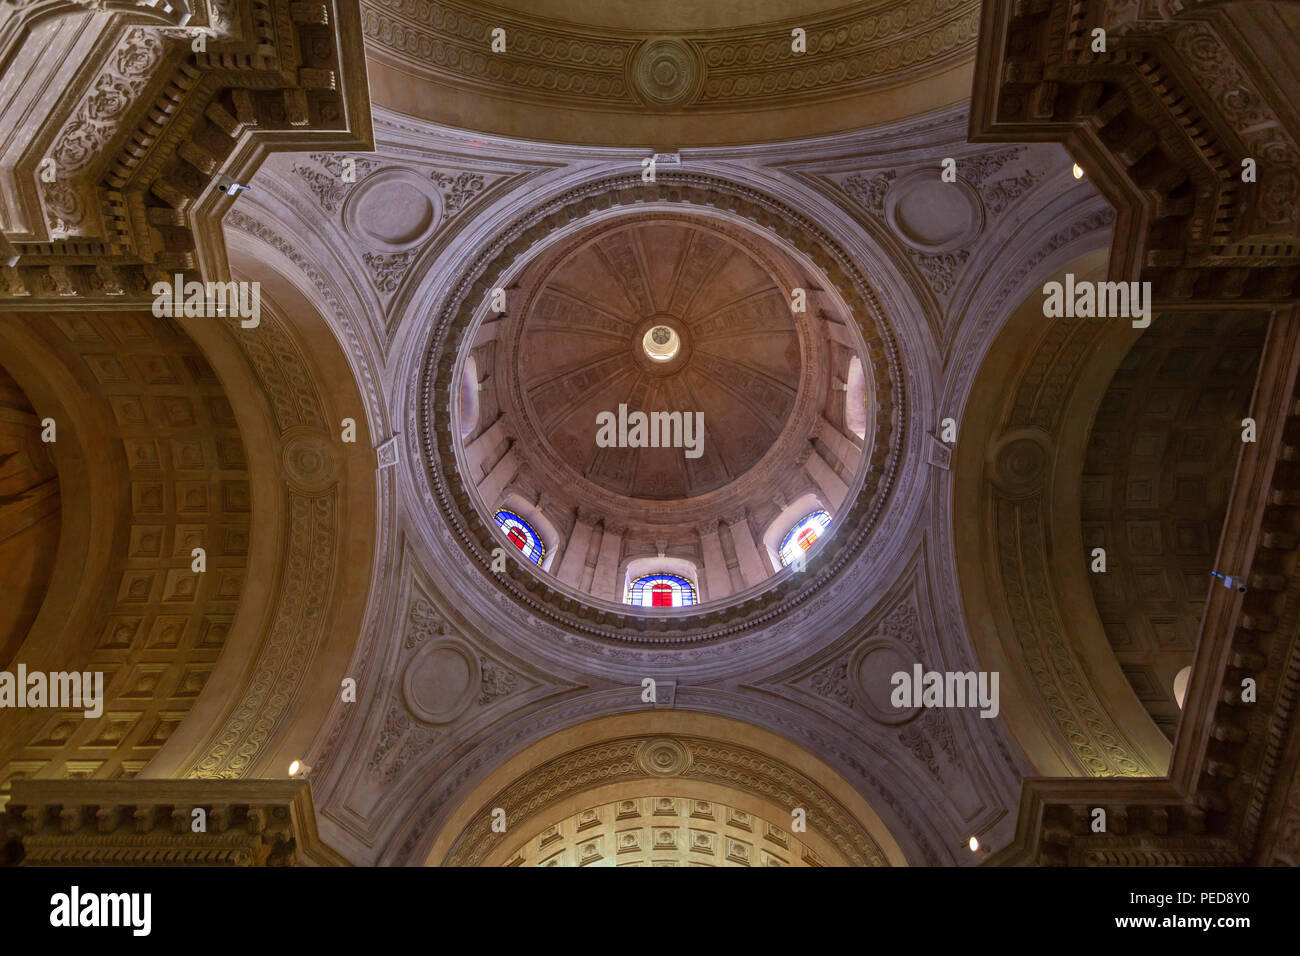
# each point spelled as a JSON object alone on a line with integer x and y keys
{"x": 1161, "y": 122}
{"x": 153, "y": 823}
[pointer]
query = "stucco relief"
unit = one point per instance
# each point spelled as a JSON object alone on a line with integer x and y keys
{"x": 147, "y": 126}
{"x": 99, "y": 117}
{"x": 939, "y": 223}
{"x": 450, "y": 706}
{"x": 390, "y": 212}
{"x": 442, "y": 676}
{"x": 859, "y": 677}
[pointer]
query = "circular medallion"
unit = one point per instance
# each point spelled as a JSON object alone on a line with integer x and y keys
{"x": 309, "y": 462}
{"x": 872, "y": 674}
{"x": 663, "y": 757}
{"x": 392, "y": 209}
{"x": 665, "y": 72}
{"x": 1020, "y": 463}
{"x": 931, "y": 215}
{"x": 441, "y": 681}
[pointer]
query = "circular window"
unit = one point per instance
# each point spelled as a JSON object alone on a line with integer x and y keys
{"x": 661, "y": 343}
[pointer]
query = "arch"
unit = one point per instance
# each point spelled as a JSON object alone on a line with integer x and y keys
{"x": 1162, "y": 451}
{"x": 635, "y": 568}
{"x": 693, "y": 108}
{"x": 326, "y": 517}
{"x": 1016, "y": 477}
{"x": 673, "y": 752}
{"x": 855, "y": 399}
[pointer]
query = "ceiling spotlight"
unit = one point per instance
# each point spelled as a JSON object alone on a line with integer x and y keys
{"x": 1078, "y": 171}
{"x": 298, "y": 769}
{"x": 974, "y": 844}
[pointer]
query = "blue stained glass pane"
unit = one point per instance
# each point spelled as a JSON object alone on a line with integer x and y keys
{"x": 521, "y": 534}
{"x": 660, "y": 590}
{"x": 803, "y": 535}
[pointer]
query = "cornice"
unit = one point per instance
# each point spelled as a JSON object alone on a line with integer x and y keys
{"x": 1161, "y": 122}
{"x": 198, "y": 119}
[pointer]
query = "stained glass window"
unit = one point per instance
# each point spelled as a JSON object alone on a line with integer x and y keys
{"x": 660, "y": 590}
{"x": 803, "y": 535}
{"x": 521, "y": 534}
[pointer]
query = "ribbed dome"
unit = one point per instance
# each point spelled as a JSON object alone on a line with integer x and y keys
{"x": 586, "y": 345}
{"x": 627, "y": 328}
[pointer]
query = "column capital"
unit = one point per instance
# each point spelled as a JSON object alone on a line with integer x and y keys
{"x": 707, "y": 527}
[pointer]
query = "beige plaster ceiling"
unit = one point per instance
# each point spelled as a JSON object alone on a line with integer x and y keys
{"x": 738, "y": 364}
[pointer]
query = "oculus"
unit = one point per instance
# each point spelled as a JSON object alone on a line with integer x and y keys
{"x": 661, "y": 343}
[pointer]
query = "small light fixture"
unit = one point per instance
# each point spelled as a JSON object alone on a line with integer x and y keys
{"x": 299, "y": 769}
{"x": 1078, "y": 171}
{"x": 974, "y": 844}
